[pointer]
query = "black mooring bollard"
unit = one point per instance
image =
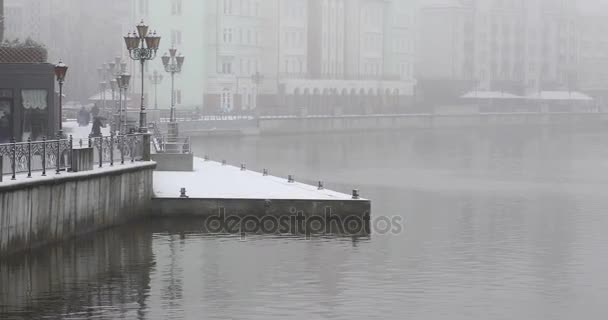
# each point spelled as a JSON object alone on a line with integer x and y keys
{"x": 321, "y": 186}
{"x": 243, "y": 167}
{"x": 182, "y": 192}
{"x": 265, "y": 172}
{"x": 356, "y": 194}
{"x": 290, "y": 179}
{"x": 223, "y": 162}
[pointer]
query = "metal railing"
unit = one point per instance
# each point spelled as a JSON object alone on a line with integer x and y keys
{"x": 34, "y": 156}
{"x": 193, "y": 115}
{"x": 114, "y": 149}
{"x": 174, "y": 145}
{"x": 56, "y": 155}
{"x": 157, "y": 136}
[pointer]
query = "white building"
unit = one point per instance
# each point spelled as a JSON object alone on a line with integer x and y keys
{"x": 287, "y": 54}
{"x": 234, "y": 49}
{"x": 180, "y": 23}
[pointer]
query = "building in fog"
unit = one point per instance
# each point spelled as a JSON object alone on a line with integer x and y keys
{"x": 338, "y": 55}
{"x": 528, "y": 45}
{"x": 182, "y": 25}
{"x": 446, "y": 45}
{"x": 290, "y": 54}
{"x": 517, "y": 46}
{"x": 593, "y": 75}
{"x": 82, "y": 33}
{"x": 237, "y": 34}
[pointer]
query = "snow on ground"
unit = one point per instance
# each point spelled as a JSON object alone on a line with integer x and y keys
{"x": 21, "y": 178}
{"x": 212, "y": 180}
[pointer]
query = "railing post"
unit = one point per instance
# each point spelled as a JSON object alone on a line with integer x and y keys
{"x": 112, "y": 148}
{"x": 44, "y": 156}
{"x": 132, "y": 143}
{"x": 71, "y": 142}
{"x": 121, "y": 141}
{"x": 29, "y": 157}
{"x": 14, "y": 156}
{"x": 146, "y": 147}
{"x": 58, "y": 154}
{"x": 100, "y": 151}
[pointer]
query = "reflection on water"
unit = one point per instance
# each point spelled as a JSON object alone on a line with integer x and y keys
{"x": 500, "y": 224}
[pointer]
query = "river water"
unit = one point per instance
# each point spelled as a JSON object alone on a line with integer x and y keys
{"x": 497, "y": 224}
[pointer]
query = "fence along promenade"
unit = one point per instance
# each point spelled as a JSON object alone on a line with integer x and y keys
{"x": 40, "y": 157}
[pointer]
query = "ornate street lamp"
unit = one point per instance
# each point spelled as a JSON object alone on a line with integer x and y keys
{"x": 156, "y": 78}
{"x": 110, "y": 73}
{"x": 61, "y": 69}
{"x": 173, "y": 64}
{"x": 143, "y": 47}
{"x": 102, "y": 84}
{"x": 123, "y": 83}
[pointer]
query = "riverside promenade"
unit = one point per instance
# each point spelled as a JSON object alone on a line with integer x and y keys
{"x": 53, "y": 190}
{"x": 213, "y": 187}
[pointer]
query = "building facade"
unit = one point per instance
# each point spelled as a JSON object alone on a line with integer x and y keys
{"x": 520, "y": 46}
{"x": 319, "y": 55}
{"x": 237, "y": 33}
{"x": 181, "y": 25}
{"x": 358, "y": 58}
{"x": 593, "y": 76}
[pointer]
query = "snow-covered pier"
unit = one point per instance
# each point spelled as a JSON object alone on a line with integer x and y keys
{"x": 214, "y": 187}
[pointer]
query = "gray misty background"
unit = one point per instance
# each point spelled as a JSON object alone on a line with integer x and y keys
{"x": 412, "y": 55}
{"x": 501, "y": 221}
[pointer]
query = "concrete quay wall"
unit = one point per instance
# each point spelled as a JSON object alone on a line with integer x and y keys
{"x": 43, "y": 210}
{"x": 173, "y": 207}
{"x": 311, "y": 124}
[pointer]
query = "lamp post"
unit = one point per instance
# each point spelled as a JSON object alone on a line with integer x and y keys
{"x": 115, "y": 69}
{"x": 156, "y": 78}
{"x": 143, "y": 47}
{"x": 123, "y": 84}
{"x": 60, "y": 71}
{"x": 173, "y": 64}
{"x": 103, "y": 85}
{"x": 111, "y": 81}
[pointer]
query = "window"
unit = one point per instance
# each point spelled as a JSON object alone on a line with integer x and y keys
{"x": 35, "y": 113}
{"x": 227, "y": 7}
{"x": 227, "y": 35}
{"x": 176, "y": 7}
{"x": 226, "y": 100}
{"x": 226, "y": 67}
{"x": 6, "y": 118}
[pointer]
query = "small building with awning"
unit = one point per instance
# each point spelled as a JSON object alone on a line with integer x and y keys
{"x": 27, "y": 93}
